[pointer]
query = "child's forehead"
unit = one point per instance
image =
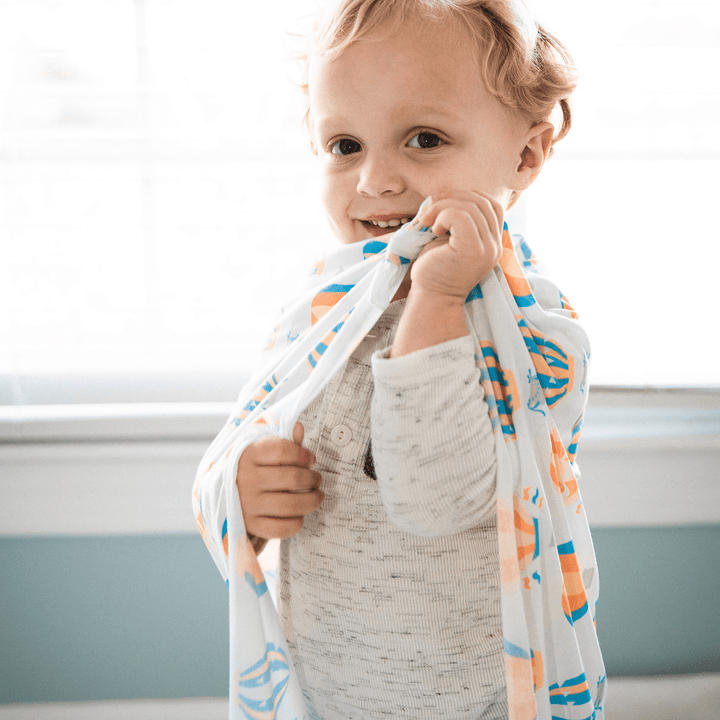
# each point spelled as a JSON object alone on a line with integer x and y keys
{"x": 408, "y": 72}
{"x": 417, "y": 51}
{"x": 409, "y": 37}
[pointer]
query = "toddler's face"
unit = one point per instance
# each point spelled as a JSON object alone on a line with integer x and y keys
{"x": 399, "y": 117}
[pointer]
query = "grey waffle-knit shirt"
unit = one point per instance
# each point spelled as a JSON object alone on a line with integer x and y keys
{"x": 390, "y": 594}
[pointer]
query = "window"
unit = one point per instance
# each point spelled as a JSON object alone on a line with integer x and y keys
{"x": 153, "y": 162}
{"x": 626, "y": 213}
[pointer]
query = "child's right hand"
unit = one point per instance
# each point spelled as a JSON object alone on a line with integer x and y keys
{"x": 276, "y": 486}
{"x": 469, "y": 246}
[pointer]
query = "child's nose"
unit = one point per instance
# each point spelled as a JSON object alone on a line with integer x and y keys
{"x": 380, "y": 177}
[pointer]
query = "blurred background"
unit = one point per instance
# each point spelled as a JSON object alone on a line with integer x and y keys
{"x": 158, "y": 202}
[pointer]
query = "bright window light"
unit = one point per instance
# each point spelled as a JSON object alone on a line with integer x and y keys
{"x": 158, "y": 199}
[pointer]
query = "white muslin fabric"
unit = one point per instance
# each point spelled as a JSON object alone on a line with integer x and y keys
{"x": 532, "y": 355}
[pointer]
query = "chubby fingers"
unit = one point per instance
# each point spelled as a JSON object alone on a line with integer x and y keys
{"x": 472, "y": 229}
{"x": 278, "y": 451}
{"x": 284, "y": 495}
{"x": 278, "y": 467}
{"x": 286, "y": 478}
{"x": 277, "y": 488}
{"x": 456, "y": 206}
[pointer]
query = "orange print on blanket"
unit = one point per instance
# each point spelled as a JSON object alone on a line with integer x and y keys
{"x": 538, "y": 669}
{"x": 395, "y": 259}
{"x": 272, "y": 339}
{"x": 263, "y": 391}
{"x": 196, "y": 506}
{"x": 326, "y": 299}
{"x": 505, "y": 396}
{"x": 520, "y": 681}
{"x": 574, "y": 597}
{"x": 561, "y": 471}
{"x": 247, "y": 562}
{"x": 526, "y": 535}
{"x": 555, "y": 368}
{"x": 509, "y": 571}
{"x": 513, "y": 272}
{"x": 201, "y": 525}
{"x": 565, "y": 304}
{"x": 247, "y": 566}
{"x": 319, "y": 268}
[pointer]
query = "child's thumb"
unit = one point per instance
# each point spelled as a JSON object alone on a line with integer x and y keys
{"x": 298, "y": 434}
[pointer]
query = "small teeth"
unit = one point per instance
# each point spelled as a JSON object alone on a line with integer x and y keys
{"x": 390, "y": 223}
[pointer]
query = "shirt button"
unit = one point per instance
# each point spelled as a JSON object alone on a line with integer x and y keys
{"x": 341, "y": 435}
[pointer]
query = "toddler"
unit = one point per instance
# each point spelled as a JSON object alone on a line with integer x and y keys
{"x": 435, "y": 558}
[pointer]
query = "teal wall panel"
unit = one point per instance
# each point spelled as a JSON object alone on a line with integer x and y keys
{"x": 91, "y": 618}
{"x": 659, "y": 599}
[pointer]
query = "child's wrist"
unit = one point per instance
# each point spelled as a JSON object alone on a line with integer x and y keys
{"x": 434, "y": 298}
{"x": 429, "y": 318}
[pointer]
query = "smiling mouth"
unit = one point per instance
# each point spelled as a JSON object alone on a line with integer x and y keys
{"x": 384, "y": 227}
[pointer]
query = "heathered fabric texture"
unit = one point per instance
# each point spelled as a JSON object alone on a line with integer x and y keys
{"x": 390, "y": 595}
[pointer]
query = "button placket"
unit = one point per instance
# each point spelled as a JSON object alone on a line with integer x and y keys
{"x": 341, "y": 435}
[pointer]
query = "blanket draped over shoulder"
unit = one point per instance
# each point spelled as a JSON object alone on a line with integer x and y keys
{"x": 532, "y": 355}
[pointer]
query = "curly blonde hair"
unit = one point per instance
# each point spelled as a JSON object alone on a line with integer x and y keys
{"x": 525, "y": 67}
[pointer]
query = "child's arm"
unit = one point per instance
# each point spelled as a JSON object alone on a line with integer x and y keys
{"x": 448, "y": 268}
{"x": 276, "y": 486}
{"x": 433, "y": 445}
{"x": 432, "y": 440}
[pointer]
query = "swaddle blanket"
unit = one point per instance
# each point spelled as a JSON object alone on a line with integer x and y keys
{"x": 532, "y": 356}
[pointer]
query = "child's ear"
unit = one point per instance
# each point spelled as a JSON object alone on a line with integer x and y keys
{"x": 534, "y": 153}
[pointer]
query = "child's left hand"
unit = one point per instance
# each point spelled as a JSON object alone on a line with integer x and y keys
{"x": 471, "y": 227}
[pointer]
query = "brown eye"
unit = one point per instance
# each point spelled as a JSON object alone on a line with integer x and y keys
{"x": 425, "y": 140}
{"x": 345, "y": 147}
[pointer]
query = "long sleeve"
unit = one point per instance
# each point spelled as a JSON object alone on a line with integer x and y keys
{"x": 432, "y": 440}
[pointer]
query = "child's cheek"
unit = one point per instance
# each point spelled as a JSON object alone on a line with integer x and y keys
{"x": 335, "y": 203}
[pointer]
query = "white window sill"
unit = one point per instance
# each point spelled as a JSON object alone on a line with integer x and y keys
{"x": 102, "y": 422}
{"x": 648, "y": 458}
{"x": 615, "y": 415}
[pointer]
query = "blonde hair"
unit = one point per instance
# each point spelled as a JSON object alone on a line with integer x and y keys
{"x": 526, "y": 68}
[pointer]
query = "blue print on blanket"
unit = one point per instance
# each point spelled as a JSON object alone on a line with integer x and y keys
{"x": 536, "y": 401}
{"x": 572, "y": 692}
{"x": 260, "y": 588}
{"x": 261, "y": 688}
{"x": 602, "y": 681}
{"x": 475, "y": 294}
{"x": 555, "y": 368}
{"x": 529, "y": 261}
{"x": 373, "y": 248}
{"x": 319, "y": 350}
{"x": 486, "y": 382}
{"x": 576, "y": 431}
{"x": 265, "y": 389}
{"x": 504, "y": 389}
